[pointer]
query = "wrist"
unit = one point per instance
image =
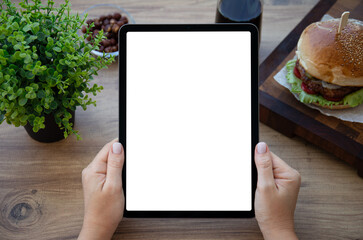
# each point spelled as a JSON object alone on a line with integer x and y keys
{"x": 91, "y": 231}
{"x": 279, "y": 234}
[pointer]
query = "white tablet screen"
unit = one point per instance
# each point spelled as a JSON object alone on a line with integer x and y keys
{"x": 188, "y": 121}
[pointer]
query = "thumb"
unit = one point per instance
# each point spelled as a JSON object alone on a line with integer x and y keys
{"x": 115, "y": 164}
{"x": 263, "y": 160}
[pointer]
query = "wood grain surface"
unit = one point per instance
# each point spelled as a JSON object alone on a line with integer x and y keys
{"x": 40, "y": 184}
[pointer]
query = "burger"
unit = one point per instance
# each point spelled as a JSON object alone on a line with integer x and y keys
{"x": 328, "y": 70}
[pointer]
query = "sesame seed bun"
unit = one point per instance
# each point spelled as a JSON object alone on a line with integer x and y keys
{"x": 332, "y": 57}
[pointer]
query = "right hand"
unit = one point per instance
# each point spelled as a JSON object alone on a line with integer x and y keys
{"x": 276, "y": 195}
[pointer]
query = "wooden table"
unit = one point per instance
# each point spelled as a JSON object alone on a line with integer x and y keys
{"x": 40, "y": 184}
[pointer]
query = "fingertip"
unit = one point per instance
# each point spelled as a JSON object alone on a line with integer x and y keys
{"x": 261, "y": 148}
{"x": 116, "y": 148}
{"x": 115, "y": 164}
{"x": 263, "y": 164}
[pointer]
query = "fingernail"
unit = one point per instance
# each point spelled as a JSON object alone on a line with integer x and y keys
{"x": 261, "y": 147}
{"x": 116, "y": 148}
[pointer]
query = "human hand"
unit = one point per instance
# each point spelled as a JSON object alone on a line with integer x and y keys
{"x": 276, "y": 195}
{"x": 104, "y": 198}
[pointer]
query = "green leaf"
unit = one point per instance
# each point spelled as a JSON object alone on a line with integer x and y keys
{"x": 28, "y": 89}
{"x": 41, "y": 94}
{"x": 53, "y": 105}
{"x": 48, "y": 111}
{"x": 29, "y": 75}
{"x": 20, "y": 91}
{"x": 354, "y": 99}
{"x": 41, "y": 36}
{"x": 22, "y": 101}
{"x": 2, "y": 118}
{"x": 17, "y": 46}
{"x": 48, "y": 54}
{"x": 27, "y": 59}
{"x": 67, "y": 115}
{"x": 59, "y": 68}
{"x": 35, "y": 28}
{"x": 65, "y": 103}
{"x": 27, "y": 28}
{"x": 57, "y": 49}
{"x": 50, "y": 41}
{"x": 34, "y": 86}
{"x": 35, "y": 129}
{"x": 24, "y": 118}
{"x": 31, "y": 38}
{"x": 38, "y": 109}
{"x": 15, "y": 26}
{"x": 57, "y": 120}
{"x": 12, "y": 97}
{"x": 14, "y": 114}
{"x": 33, "y": 95}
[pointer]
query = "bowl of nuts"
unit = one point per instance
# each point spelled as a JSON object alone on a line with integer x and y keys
{"x": 109, "y": 18}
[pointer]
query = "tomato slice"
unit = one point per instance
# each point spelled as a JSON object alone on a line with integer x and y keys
{"x": 333, "y": 99}
{"x": 307, "y": 89}
{"x": 297, "y": 73}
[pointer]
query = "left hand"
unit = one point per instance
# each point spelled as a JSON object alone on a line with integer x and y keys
{"x": 104, "y": 198}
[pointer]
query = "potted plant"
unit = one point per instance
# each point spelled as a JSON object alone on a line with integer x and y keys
{"x": 46, "y": 68}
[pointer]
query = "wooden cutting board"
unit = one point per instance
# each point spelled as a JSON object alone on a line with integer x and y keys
{"x": 281, "y": 111}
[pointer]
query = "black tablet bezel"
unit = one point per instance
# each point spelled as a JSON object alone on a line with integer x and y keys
{"x": 254, "y": 109}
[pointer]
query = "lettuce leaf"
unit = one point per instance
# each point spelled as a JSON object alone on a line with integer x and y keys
{"x": 353, "y": 99}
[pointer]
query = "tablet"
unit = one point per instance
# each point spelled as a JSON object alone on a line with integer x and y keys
{"x": 189, "y": 119}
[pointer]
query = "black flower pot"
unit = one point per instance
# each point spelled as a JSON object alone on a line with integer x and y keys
{"x": 51, "y": 132}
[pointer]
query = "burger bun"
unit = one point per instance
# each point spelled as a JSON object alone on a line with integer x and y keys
{"x": 336, "y": 58}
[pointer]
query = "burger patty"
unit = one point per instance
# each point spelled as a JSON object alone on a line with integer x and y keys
{"x": 316, "y": 86}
